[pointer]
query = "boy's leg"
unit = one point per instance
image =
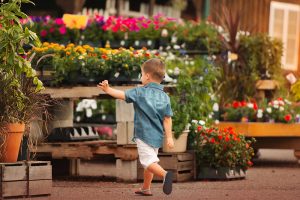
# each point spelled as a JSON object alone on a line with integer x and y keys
{"x": 157, "y": 170}
{"x": 148, "y": 176}
{"x": 168, "y": 176}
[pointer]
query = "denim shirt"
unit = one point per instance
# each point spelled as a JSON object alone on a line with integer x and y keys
{"x": 151, "y": 104}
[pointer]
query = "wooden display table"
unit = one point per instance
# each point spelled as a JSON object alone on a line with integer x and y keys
{"x": 269, "y": 135}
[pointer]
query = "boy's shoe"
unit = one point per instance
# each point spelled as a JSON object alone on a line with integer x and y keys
{"x": 142, "y": 192}
{"x": 167, "y": 185}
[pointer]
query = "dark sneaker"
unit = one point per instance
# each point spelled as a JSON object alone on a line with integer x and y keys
{"x": 167, "y": 185}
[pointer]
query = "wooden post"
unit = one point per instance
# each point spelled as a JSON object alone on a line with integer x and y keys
{"x": 151, "y": 7}
{"x": 71, "y": 6}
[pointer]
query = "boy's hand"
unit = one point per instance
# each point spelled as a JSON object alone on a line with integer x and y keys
{"x": 103, "y": 85}
{"x": 170, "y": 142}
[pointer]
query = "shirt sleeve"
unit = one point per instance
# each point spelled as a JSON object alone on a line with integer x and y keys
{"x": 169, "y": 112}
{"x": 131, "y": 95}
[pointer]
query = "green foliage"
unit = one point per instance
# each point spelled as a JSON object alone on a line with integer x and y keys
{"x": 192, "y": 96}
{"x": 15, "y": 71}
{"x": 295, "y": 89}
{"x": 221, "y": 148}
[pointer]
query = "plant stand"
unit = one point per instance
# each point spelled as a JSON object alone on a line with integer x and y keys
{"x": 25, "y": 179}
{"x": 223, "y": 173}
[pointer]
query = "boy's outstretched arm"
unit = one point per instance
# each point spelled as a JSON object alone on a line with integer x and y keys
{"x": 118, "y": 94}
{"x": 168, "y": 131}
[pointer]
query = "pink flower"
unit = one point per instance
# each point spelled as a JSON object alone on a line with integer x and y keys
{"x": 62, "y": 30}
{"x": 59, "y": 21}
{"x": 51, "y": 30}
{"x": 43, "y": 33}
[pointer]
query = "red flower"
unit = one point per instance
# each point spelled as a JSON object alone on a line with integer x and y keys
{"x": 227, "y": 138}
{"x": 104, "y": 57}
{"x": 220, "y": 137}
{"x": 255, "y": 107}
{"x": 199, "y": 128}
{"x": 43, "y": 33}
{"x": 280, "y": 99}
{"x": 212, "y": 140}
{"x": 62, "y": 30}
{"x": 243, "y": 103}
{"x": 288, "y": 117}
{"x": 249, "y": 163}
{"x": 236, "y": 104}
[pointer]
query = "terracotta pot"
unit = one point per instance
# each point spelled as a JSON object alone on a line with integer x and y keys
{"x": 12, "y": 140}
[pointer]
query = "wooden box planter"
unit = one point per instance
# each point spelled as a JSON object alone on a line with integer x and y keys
{"x": 223, "y": 173}
{"x": 264, "y": 129}
{"x": 182, "y": 165}
{"x": 25, "y": 179}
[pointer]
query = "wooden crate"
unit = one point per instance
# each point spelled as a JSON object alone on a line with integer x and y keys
{"x": 181, "y": 164}
{"x": 23, "y": 179}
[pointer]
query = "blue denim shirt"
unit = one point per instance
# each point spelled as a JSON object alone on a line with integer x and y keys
{"x": 151, "y": 104}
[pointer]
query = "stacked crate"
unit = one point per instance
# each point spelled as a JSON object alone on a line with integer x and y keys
{"x": 25, "y": 179}
{"x": 181, "y": 164}
{"x": 126, "y": 169}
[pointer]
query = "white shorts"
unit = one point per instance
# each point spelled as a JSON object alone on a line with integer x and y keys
{"x": 147, "y": 154}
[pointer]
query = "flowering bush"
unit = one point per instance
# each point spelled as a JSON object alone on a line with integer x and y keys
{"x": 279, "y": 110}
{"x": 221, "y": 147}
{"x": 241, "y": 111}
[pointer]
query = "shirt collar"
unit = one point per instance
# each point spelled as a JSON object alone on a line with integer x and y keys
{"x": 155, "y": 85}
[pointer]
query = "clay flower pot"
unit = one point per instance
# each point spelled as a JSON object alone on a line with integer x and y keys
{"x": 11, "y": 140}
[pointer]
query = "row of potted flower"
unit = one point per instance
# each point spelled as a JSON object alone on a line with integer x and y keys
{"x": 277, "y": 110}
{"x": 73, "y": 64}
{"x": 156, "y": 32}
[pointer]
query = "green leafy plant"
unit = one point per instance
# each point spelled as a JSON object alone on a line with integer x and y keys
{"x": 192, "y": 97}
{"x": 295, "y": 89}
{"x": 218, "y": 148}
{"x": 15, "y": 70}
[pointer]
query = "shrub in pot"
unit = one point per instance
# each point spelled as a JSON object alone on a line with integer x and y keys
{"x": 20, "y": 99}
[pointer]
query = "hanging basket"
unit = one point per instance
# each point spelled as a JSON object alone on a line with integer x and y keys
{"x": 10, "y": 142}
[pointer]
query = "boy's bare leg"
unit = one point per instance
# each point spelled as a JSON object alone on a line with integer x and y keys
{"x": 157, "y": 170}
{"x": 148, "y": 176}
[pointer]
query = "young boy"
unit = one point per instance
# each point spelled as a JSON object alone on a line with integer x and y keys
{"x": 152, "y": 118}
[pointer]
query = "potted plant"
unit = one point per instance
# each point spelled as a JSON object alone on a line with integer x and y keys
{"x": 192, "y": 97}
{"x": 20, "y": 99}
{"x": 221, "y": 153}
{"x": 241, "y": 111}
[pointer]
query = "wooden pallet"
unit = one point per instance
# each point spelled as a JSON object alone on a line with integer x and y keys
{"x": 25, "y": 179}
{"x": 181, "y": 164}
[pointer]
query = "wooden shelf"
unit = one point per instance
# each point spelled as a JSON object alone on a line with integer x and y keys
{"x": 85, "y": 91}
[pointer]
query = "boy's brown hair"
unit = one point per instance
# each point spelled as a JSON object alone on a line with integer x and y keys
{"x": 155, "y": 67}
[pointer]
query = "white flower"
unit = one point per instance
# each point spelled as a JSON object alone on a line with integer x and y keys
{"x": 201, "y": 78}
{"x": 216, "y": 107}
{"x": 201, "y": 122}
{"x": 250, "y": 105}
{"x": 259, "y": 115}
{"x": 276, "y": 102}
{"x": 93, "y": 104}
{"x": 195, "y": 121}
{"x": 176, "y": 46}
{"x": 80, "y": 57}
{"x": 287, "y": 102}
{"x": 281, "y": 108}
{"x": 217, "y": 121}
{"x": 89, "y": 112}
{"x": 103, "y": 117}
{"x": 78, "y": 118}
{"x": 210, "y": 116}
{"x": 276, "y": 106}
{"x": 281, "y": 103}
{"x": 260, "y": 111}
{"x": 79, "y": 107}
{"x": 192, "y": 62}
{"x": 269, "y": 110}
{"x": 176, "y": 71}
